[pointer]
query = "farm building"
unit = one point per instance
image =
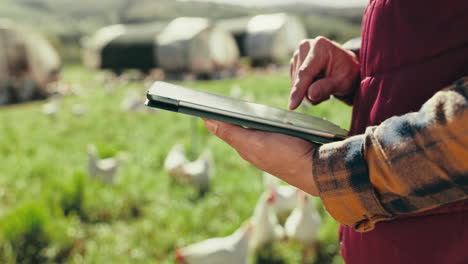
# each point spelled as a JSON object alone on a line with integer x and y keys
{"x": 266, "y": 38}
{"x": 183, "y": 45}
{"x": 238, "y": 28}
{"x": 190, "y": 44}
{"x": 28, "y": 63}
{"x": 120, "y": 47}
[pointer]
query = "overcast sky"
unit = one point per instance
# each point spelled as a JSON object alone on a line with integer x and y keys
{"x": 336, "y": 3}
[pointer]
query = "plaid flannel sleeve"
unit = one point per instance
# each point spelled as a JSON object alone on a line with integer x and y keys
{"x": 407, "y": 164}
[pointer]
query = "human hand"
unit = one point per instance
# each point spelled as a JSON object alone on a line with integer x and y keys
{"x": 315, "y": 57}
{"x": 288, "y": 158}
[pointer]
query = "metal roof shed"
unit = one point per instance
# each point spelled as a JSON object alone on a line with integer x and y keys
{"x": 273, "y": 37}
{"x": 120, "y": 47}
{"x": 192, "y": 44}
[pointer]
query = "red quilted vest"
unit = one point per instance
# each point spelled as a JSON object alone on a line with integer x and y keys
{"x": 410, "y": 50}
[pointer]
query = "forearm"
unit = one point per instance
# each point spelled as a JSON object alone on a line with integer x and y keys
{"x": 407, "y": 164}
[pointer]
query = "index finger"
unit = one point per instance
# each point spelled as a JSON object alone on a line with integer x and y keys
{"x": 309, "y": 70}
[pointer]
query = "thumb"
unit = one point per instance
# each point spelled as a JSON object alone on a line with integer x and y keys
{"x": 321, "y": 90}
{"x": 235, "y": 136}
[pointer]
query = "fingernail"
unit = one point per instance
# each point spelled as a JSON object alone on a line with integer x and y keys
{"x": 212, "y": 126}
{"x": 314, "y": 96}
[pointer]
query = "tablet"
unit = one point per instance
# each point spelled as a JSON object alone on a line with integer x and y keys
{"x": 189, "y": 101}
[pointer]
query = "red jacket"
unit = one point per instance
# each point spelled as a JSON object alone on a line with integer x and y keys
{"x": 410, "y": 50}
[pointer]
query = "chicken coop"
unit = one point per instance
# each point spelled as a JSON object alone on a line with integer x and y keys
{"x": 28, "y": 63}
{"x": 268, "y": 38}
{"x": 195, "y": 45}
{"x": 238, "y": 29}
{"x": 121, "y": 47}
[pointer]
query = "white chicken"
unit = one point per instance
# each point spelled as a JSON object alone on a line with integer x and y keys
{"x": 232, "y": 249}
{"x": 266, "y": 227}
{"x": 236, "y": 91}
{"x": 133, "y": 101}
{"x": 199, "y": 172}
{"x": 286, "y": 196}
{"x": 270, "y": 181}
{"x": 51, "y": 108}
{"x": 175, "y": 160}
{"x": 78, "y": 110}
{"x": 303, "y": 224}
{"x": 105, "y": 169}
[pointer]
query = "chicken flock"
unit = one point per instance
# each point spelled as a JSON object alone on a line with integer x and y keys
{"x": 278, "y": 204}
{"x": 282, "y": 212}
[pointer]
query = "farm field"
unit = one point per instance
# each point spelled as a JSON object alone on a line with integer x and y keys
{"x": 52, "y": 212}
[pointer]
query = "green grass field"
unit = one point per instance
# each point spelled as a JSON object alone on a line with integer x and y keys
{"x": 51, "y": 212}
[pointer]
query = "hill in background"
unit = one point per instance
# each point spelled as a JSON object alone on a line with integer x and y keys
{"x": 66, "y": 21}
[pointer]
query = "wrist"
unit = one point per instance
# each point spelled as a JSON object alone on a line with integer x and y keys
{"x": 309, "y": 184}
